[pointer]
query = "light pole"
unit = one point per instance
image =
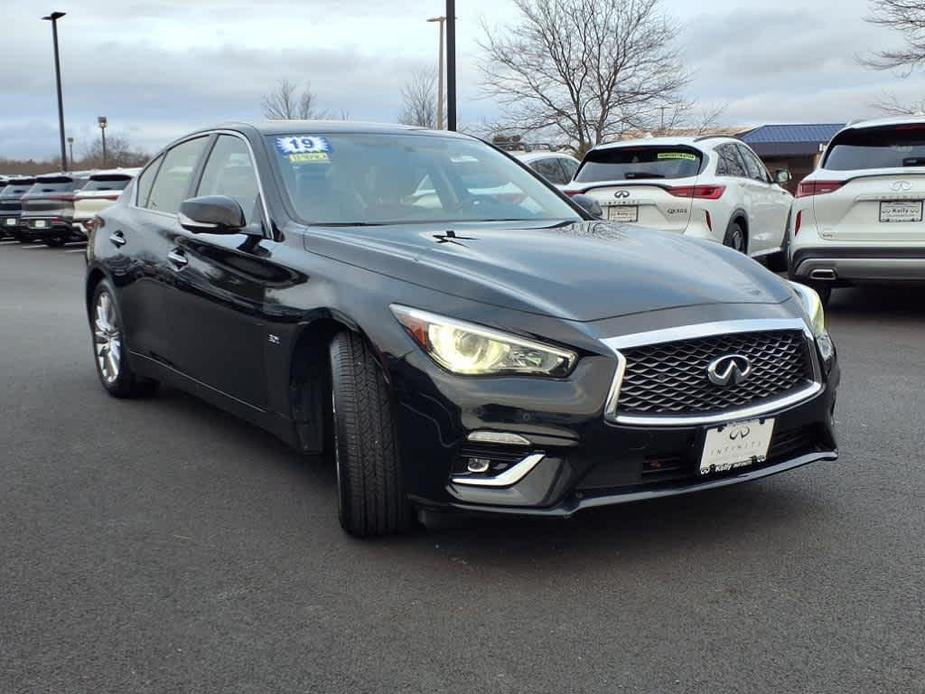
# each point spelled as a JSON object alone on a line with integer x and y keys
{"x": 53, "y": 18}
{"x": 70, "y": 147}
{"x": 451, "y": 64}
{"x": 103, "y": 122}
{"x": 441, "y": 20}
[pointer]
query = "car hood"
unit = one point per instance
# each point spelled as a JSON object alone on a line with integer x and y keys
{"x": 580, "y": 271}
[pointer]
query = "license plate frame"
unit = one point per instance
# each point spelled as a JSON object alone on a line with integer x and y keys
{"x": 627, "y": 214}
{"x": 736, "y": 444}
{"x": 900, "y": 211}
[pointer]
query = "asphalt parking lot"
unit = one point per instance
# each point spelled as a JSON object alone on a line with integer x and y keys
{"x": 163, "y": 546}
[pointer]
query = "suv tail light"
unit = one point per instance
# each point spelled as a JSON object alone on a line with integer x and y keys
{"x": 702, "y": 192}
{"x": 63, "y": 198}
{"x": 808, "y": 188}
{"x": 573, "y": 193}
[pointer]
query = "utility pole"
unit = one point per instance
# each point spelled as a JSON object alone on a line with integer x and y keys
{"x": 451, "y": 64}
{"x": 53, "y": 18}
{"x": 440, "y": 73}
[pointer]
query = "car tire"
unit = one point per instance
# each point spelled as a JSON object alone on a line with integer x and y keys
{"x": 371, "y": 499}
{"x": 54, "y": 243}
{"x": 736, "y": 237}
{"x": 110, "y": 353}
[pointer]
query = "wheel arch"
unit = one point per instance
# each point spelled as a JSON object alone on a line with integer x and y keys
{"x": 94, "y": 276}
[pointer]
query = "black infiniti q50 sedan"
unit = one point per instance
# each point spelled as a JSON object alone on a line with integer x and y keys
{"x": 449, "y": 327}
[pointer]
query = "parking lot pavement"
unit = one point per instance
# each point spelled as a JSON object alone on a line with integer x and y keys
{"x": 161, "y": 545}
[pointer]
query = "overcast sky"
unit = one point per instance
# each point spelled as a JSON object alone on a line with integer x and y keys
{"x": 160, "y": 68}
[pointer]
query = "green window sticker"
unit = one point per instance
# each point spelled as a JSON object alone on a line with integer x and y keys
{"x": 687, "y": 156}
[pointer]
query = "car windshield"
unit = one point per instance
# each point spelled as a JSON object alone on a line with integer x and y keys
{"x": 629, "y": 163}
{"x": 890, "y": 147}
{"x": 363, "y": 178}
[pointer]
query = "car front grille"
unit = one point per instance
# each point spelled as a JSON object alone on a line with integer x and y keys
{"x": 671, "y": 378}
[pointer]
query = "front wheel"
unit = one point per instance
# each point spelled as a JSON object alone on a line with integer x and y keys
{"x": 371, "y": 499}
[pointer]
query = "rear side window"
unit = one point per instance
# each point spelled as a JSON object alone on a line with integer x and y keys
{"x": 569, "y": 167}
{"x": 895, "y": 146}
{"x": 629, "y": 163}
{"x": 755, "y": 168}
{"x": 107, "y": 183}
{"x": 146, "y": 179}
{"x": 172, "y": 183}
{"x": 730, "y": 164}
{"x": 550, "y": 170}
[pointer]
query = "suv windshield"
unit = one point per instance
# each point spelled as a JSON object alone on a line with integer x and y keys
{"x": 889, "y": 147}
{"x": 629, "y": 163}
{"x": 114, "y": 182}
{"x": 364, "y": 178}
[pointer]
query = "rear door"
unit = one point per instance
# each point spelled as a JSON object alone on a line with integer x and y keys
{"x": 636, "y": 183}
{"x": 877, "y": 186}
{"x": 770, "y": 204}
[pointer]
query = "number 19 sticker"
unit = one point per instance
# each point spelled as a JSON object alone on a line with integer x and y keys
{"x": 303, "y": 144}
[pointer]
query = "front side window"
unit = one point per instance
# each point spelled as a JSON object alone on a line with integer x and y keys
{"x": 888, "y": 147}
{"x": 753, "y": 164}
{"x": 230, "y": 171}
{"x": 366, "y": 178}
{"x": 172, "y": 182}
{"x": 636, "y": 162}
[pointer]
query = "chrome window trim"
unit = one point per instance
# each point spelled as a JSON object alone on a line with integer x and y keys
{"x": 698, "y": 330}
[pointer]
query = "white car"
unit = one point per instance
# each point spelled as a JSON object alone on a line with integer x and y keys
{"x": 102, "y": 190}
{"x": 710, "y": 187}
{"x": 556, "y": 167}
{"x": 858, "y": 217}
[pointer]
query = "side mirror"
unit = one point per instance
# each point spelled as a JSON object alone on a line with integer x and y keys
{"x": 782, "y": 176}
{"x": 212, "y": 214}
{"x": 589, "y": 205}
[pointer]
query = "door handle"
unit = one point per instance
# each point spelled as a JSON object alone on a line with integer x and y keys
{"x": 117, "y": 238}
{"x": 178, "y": 258}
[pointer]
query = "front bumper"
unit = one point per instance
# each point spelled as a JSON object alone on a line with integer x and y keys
{"x": 584, "y": 460}
{"x": 858, "y": 265}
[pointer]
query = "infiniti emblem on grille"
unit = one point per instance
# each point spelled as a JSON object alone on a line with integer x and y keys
{"x": 729, "y": 370}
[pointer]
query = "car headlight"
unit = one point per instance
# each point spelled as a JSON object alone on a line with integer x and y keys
{"x": 812, "y": 305}
{"x": 815, "y": 316}
{"x": 473, "y": 350}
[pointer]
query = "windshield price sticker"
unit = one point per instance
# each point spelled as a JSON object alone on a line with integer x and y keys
{"x": 677, "y": 155}
{"x": 309, "y": 158}
{"x": 303, "y": 144}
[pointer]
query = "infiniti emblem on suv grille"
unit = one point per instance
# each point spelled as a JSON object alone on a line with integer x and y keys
{"x": 729, "y": 370}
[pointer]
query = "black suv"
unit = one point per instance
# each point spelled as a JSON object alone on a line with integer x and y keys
{"x": 10, "y": 205}
{"x": 48, "y": 209}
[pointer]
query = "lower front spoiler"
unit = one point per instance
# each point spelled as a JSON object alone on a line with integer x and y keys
{"x": 584, "y": 500}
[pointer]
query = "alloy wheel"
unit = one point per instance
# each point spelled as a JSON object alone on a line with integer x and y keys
{"x": 107, "y": 338}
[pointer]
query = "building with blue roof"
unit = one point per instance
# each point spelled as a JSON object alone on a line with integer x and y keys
{"x": 796, "y": 147}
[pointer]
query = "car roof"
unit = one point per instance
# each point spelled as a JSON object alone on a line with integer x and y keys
{"x": 699, "y": 142}
{"x": 880, "y": 122}
{"x": 286, "y": 127}
{"x": 541, "y": 154}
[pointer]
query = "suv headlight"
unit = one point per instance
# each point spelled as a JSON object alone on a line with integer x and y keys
{"x": 473, "y": 350}
{"x": 815, "y": 316}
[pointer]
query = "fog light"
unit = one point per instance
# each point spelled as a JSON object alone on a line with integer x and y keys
{"x": 478, "y": 465}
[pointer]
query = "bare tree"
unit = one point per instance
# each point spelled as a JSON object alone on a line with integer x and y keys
{"x": 590, "y": 69}
{"x": 285, "y": 103}
{"x": 890, "y": 105}
{"x": 419, "y": 99}
{"x": 119, "y": 153}
{"x": 906, "y": 17}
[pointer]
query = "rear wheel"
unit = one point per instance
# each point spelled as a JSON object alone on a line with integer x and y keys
{"x": 111, "y": 356}
{"x": 735, "y": 237}
{"x": 54, "y": 243}
{"x": 371, "y": 498}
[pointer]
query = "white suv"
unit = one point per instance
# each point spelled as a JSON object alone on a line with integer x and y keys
{"x": 858, "y": 217}
{"x": 709, "y": 187}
